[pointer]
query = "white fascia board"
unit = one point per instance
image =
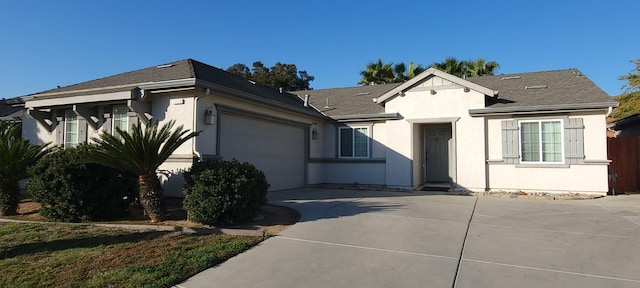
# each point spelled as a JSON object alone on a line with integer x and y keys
{"x": 434, "y": 72}
{"x": 366, "y": 117}
{"x": 78, "y": 99}
{"x": 542, "y": 108}
{"x": 168, "y": 84}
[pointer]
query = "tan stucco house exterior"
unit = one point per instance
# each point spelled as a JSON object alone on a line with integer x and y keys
{"x": 536, "y": 132}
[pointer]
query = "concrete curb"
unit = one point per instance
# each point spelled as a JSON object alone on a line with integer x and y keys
{"x": 163, "y": 228}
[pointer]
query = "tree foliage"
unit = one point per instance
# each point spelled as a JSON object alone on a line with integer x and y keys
{"x": 629, "y": 100}
{"x": 632, "y": 78}
{"x": 280, "y": 75}
{"x": 224, "y": 192}
{"x": 75, "y": 192}
{"x": 141, "y": 152}
{"x": 382, "y": 73}
{"x": 16, "y": 156}
{"x": 468, "y": 68}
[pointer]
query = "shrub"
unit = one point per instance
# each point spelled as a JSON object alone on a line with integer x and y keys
{"x": 74, "y": 192}
{"x": 224, "y": 192}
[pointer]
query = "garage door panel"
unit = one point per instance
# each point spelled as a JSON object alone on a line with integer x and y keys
{"x": 275, "y": 148}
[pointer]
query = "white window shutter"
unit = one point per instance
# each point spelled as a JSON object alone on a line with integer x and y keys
{"x": 82, "y": 130}
{"x": 59, "y": 130}
{"x": 574, "y": 140}
{"x": 133, "y": 120}
{"x": 510, "y": 142}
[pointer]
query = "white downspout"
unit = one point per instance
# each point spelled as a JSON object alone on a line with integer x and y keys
{"x": 195, "y": 121}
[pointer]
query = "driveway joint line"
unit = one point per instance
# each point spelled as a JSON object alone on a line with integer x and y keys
{"x": 366, "y": 248}
{"x": 558, "y": 231}
{"x": 464, "y": 244}
{"x": 614, "y": 213}
{"x": 553, "y": 270}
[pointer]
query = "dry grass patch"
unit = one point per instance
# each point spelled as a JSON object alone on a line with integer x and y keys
{"x": 54, "y": 255}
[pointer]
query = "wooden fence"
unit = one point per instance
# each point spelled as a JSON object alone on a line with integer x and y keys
{"x": 623, "y": 153}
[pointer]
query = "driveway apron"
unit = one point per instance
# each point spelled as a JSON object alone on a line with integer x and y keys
{"x": 349, "y": 238}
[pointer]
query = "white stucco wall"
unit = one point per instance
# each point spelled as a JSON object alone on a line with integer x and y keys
{"x": 419, "y": 106}
{"x": 589, "y": 177}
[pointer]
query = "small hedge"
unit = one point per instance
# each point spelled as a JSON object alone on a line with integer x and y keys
{"x": 224, "y": 192}
{"x": 74, "y": 192}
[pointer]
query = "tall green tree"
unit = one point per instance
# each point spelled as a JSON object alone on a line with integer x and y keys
{"x": 468, "y": 68}
{"x": 16, "y": 156}
{"x": 381, "y": 73}
{"x": 480, "y": 67}
{"x": 377, "y": 73}
{"x": 451, "y": 65}
{"x": 141, "y": 152}
{"x": 632, "y": 78}
{"x": 629, "y": 100}
{"x": 280, "y": 75}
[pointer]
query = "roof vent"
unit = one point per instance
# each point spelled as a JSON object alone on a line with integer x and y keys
{"x": 511, "y": 77}
{"x": 164, "y": 66}
{"x": 536, "y": 87}
{"x": 326, "y": 106}
{"x": 362, "y": 93}
{"x": 252, "y": 82}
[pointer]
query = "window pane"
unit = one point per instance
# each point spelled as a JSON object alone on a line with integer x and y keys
{"x": 346, "y": 142}
{"x": 551, "y": 142}
{"x": 70, "y": 129}
{"x": 530, "y": 142}
{"x": 361, "y": 142}
{"x": 120, "y": 120}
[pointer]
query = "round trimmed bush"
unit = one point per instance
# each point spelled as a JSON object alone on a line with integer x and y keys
{"x": 71, "y": 191}
{"x": 224, "y": 192}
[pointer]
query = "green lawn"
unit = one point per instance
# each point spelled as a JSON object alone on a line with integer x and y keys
{"x": 57, "y": 255}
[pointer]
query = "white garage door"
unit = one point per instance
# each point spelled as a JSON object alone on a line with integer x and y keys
{"x": 275, "y": 148}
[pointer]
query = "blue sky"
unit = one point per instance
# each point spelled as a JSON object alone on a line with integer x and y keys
{"x": 48, "y": 43}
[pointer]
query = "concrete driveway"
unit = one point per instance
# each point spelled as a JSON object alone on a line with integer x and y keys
{"x": 351, "y": 238}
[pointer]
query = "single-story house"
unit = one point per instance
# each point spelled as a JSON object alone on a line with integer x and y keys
{"x": 541, "y": 131}
{"x": 11, "y": 109}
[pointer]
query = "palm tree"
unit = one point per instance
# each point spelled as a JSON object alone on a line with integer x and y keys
{"x": 480, "y": 67}
{"x": 16, "y": 156}
{"x": 377, "y": 73}
{"x": 382, "y": 73}
{"x": 141, "y": 152}
{"x": 451, "y": 65}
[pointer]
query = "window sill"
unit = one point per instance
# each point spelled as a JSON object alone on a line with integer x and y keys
{"x": 542, "y": 165}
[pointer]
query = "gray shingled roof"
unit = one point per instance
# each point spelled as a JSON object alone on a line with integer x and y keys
{"x": 10, "y": 108}
{"x": 347, "y": 101}
{"x": 568, "y": 86}
{"x": 183, "y": 69}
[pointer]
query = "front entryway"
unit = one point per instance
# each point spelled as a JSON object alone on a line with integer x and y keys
{"x": 437, "y": 153}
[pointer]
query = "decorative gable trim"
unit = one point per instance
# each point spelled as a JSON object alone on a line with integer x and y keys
{"x": 434, "y": 72}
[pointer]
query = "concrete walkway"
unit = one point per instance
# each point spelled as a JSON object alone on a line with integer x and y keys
{"x": 391, "y": 239}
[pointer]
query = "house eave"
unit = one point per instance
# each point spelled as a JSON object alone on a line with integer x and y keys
{"x": 252, "y": 98}
{"x": 366, "y": 117}
{"x": 541, "y": 109}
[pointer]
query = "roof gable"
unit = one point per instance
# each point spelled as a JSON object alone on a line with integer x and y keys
{"x": 430, "y": 73}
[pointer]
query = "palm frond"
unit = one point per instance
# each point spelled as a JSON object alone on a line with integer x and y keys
{"x": 141, "y": 150}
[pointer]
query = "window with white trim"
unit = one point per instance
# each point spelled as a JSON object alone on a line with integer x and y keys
{"x": 70, "y": 129}
{"x": 120, "y": 120}
{"x": 541, "y": 141}
{"x": 354, "y": 142}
